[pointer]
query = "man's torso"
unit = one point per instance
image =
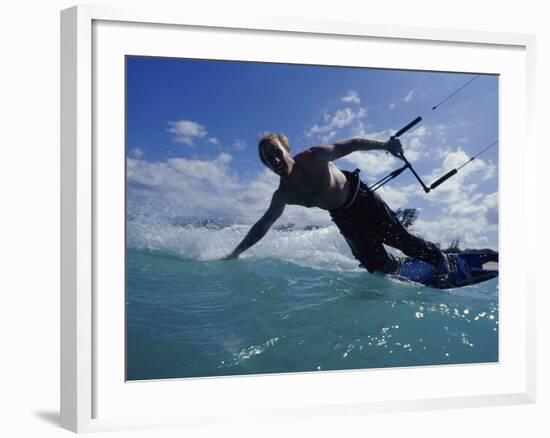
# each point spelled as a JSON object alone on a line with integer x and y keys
{"x": 321, "y": 183}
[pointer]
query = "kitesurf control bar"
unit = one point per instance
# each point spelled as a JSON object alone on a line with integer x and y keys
{"x": 407, "y": 165}
{"x": 443, "y": 179}
{"x": 426, "y": 189}
{"x": 407, "y": 127}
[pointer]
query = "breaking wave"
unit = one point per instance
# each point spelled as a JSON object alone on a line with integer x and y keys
{"x": 313, "y": 247}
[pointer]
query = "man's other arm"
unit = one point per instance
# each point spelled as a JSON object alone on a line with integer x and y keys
{"x": 261, "y": 227}
{"x": 331, "y": 152}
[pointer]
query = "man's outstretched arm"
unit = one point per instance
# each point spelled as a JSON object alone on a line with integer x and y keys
{"x": 260, "y": 228}
{"x": 334, "y": 151}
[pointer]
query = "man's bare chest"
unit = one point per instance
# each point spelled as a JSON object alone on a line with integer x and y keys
{"x": 314, "y": 190}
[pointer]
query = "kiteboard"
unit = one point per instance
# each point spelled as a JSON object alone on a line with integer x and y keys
{"x": 465, "y": 269}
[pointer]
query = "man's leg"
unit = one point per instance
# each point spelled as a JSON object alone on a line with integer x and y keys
{"x": 372, "y": 254}
{"x": 413, "y": 246}
{"x": 393, "y": 233}
{"x": 365, "y": 246}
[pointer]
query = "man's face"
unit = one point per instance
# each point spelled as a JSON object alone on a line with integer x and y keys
{"x": 277, "y": 158}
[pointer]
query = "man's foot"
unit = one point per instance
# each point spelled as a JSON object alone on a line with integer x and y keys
{"x": 445, "y": 266}
{"x": 391, "y": 265}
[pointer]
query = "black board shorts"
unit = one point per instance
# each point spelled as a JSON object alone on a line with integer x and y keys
{"x": 367, "y": 223}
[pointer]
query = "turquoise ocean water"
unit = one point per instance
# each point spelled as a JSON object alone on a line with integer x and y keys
{"x": 295, "y": 302}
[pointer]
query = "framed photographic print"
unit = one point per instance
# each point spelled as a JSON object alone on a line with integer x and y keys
{"x": 260, "y": 208}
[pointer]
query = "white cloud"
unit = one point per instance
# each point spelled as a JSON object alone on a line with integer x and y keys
{"x": 186, "y": 130}
{"x": 458, "y": 158}
{"x": 328, "y": 137}
{"x": 239, "y": 144}
{"x": 395, "y": 198}
{"x": 491, "y": 204}
{"x": 372, "y": 162}
{"x": 137, "y": 153}
{"x": 472, "y": 220}
{"x": 351, "y": 97}
{"x": 204, "y": 171}
{"x": 342, "y": 118}
{"x": 490, "y": 170}
{"x": 439, "y": 134}
{"x": 392, "y": 105}
{"x": 472, "y": 231}
{"x": 409, "y": 96}
{"x": 468, "y": 206}
{"x": 180, "y": 187}
{"x": 214, "y": 140}
{"x": 358, "y": 129}
{"x": 168, "y": 176}
{"x": 440, "y": 152}
{"x": 414, "y": 143}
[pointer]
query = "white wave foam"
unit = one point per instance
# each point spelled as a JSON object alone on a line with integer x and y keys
{"x": 249, "y": 352}
{"x": 322, "y": 248}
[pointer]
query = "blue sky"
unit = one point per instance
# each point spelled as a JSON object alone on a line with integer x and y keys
{"x": 193, "y": 125}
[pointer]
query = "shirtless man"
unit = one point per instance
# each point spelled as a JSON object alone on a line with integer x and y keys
{"x": 311, "y": 179}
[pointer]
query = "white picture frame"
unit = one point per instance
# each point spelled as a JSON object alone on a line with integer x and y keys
{"x": 90, "y": 362}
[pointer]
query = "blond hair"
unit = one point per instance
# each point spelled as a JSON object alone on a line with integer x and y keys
{"x": 269, "y": 138}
